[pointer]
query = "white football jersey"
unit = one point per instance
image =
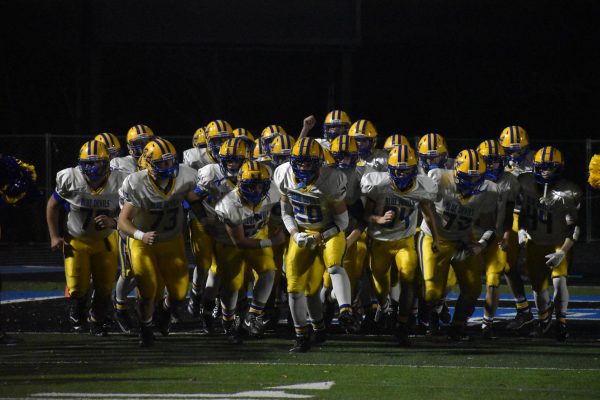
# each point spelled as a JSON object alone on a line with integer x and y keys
{"x": 526, "y": 165}
{"x": 508, "y": 192}
{"x": 377, "y": 162}
{"x": 212, "y": 182}
{"x": 157, "y": 209}
{"x": 85, "y": 203}
{"x": 312, "y": 204}
{"x": 232, "y": 211}
{"x": 197, "y": 158}
{"x": 326, "y": 144}
{"x": 455, "y": 215}
{"x": 378, "y": 187}
{"x": 546, "y": 219}
{"x": 126, "y": 164}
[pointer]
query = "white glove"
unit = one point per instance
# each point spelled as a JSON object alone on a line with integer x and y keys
{"x": 462, "y": 254}
{"x": 554, "y": 259}
{"x": 523, "y": 236}
{"x": 303, "y": 239}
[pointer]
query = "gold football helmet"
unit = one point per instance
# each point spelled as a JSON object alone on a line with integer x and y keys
{"x": 337, "y": 123}
{"x": 432, "y": 151}
{"x": 246, "y": 135}
{"x": 402, "y": 167}
{"x": 515, "y": 141}
{"x": 199, "y": 139}
{"x": 494, "y": 156}
{"x": 395, "y": 140}
{"x": 365, "y": 134}
{"x": 548, "y": 164}
{"x": 111, "y": 142}
{"x": 217, "y": 132}
{"x": 269, "y": 134}
{"x": 306, "y": 159}
{"x": 254, "y": 182}
{"x": 232, "y": 155}
{"x": 344, "y": 151}
{"x": 137, "y": 138}
{"x": 469, "y": 172}
{"x": 93, "y": 160}
{"x": 281, "y": 148}
{"x": 160, "y": 159}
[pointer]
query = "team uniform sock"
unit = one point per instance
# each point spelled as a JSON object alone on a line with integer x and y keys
{"x": 298, "y": 309}
{"x": 262, "y": 287}
{"x": 561, "y": 295}
{"x": 341, "y": 287}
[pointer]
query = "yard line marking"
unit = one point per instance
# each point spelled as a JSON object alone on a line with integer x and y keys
{"x": 253, "y": 394}
{"x": 307, "y": 386}
{"x": 16, "y": 362}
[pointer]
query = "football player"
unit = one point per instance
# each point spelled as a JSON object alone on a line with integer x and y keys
{"x": 281, "y": 149}
{"x": 247, "y": 136}
{"x": 314, "y": 213}
{"x": 242, "y": 240}
{"x": 214, "y": 182}
{"x": 89, "y": 193}
{"x": 395, "y": 140}
{"x": 197, "y": 156}
{"x": 515, "y": 141}
{"x": 495, "y": 257}
{"x": 269, "y": 134}
{"x": 370, "y": 158}
{"x": 111, "y": 142}
{"x": 393, "y": 201}
{"x": 137, "y": 138}
{"x": 432, "y": 153}
{"x": 548, "y": 226}
{"x": 152, "y": 217}
{"x": 337, "y": 123}
{"x": 216, "y": 133}
{"x": 463, "y": 197}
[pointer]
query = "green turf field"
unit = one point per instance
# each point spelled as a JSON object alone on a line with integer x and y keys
{"x": 360, "y": 368}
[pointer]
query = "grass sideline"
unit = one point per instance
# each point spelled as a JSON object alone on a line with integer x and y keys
{"x": 370, "y": 367}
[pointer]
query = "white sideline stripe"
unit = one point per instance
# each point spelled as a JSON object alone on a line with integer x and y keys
{"x": 307, "y": 386}
{"x": 256, "y": 394}
{"x": 16, "y": 362}
{"x": 32, "y": 299}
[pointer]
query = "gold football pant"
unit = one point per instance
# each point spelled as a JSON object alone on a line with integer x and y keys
{"x": 539, "y": 273}
{"x": 159, "y": 265}
{"x": 202, "y": 244}
{"x": 384, "y": 254}
{"x": 97, "y": 260}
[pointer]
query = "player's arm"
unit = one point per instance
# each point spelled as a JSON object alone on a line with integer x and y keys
{"x": 302, "y": 239}
{"x": 372, "y": 218}
{"x": 308, "y": 123}
{"x": 340, "y": 219}
{"x": 356, "y": 210}
{"x": 554, "y": 259}
{"x": 426, "y": 208}
{"x": 238, "y": 237}
{"x": 195, "y": 199}
{"x": 52, "y": 213}
{"x": 487, "y": 222}
{"x": 125, "y": 224}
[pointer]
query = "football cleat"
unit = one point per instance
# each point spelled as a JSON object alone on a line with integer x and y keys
{"x": 124, "y": 321}
{"x": 319, "y": 336}
{"x": 301, "y": 344}
{"x": 365, "y": 134}
{"x": 337, "y": 123}
{"x": 432, "y": 151}
{"x": 458, "y": 333}
{"x": 562, "y": 334}
{"x": 231, "y": 332}
{"x": 522, "y": 319}
{"x": 548, "y": 164}
{"x": 401, "y": 333}
{"x": 94, "y": 160}
{"x": 347, "y": 321}
{"x": 494, "y": 156}
{"x": 111, "y": 142}
{"x": 146, "y": 336}
{"x": 444, "y": 315}
{"x": 77, "y": 315}
{"x": 163, "y": 320}
{"x": 433, "y": 326}
{"x": 138, "y": 137}
{"x": 487, "y": 331}
{"x": 254, "y": 325}
{"x": 97, "y": 328}
{"x": 543, "y": 325}
{"x": 160, "y": 159}
{"x": 469, "y": 172}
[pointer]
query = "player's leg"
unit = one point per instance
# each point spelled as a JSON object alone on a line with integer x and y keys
{"x": 468, "y": 275}
{"x": 539, "y": 274}
{"x": 77, "y": 274}
{"x": 298, "y": 262}
{"x": 125, "y": 284}
{"x": 202, "y": 245}
{"x": 406, "y": 262}
{"x": 561, "y": 296}
{"x": 104, "y": 264}
{"x": 332, "y": 254}
{"x": 495, "y": 262}
{"x": 263, "y": 264}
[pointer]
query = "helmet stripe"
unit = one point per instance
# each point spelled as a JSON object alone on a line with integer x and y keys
{"x": 235, "y": 144}
{"x": 551, "y": 154}
{"x": 404, "y": 150}
{"x": 435, "y": 145}
{"x": 107, "y": 140}
{"x": 95, "y": 152}
{"x": 490, "y": 145}
{"x": 219, "y": 128}
{"x": 470, "y": 159}
{"x": 160, "y": 143}
{"x": 543, "y": 155}
{"x": 138, "y": 129}
{"x": 429, "y": 142}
